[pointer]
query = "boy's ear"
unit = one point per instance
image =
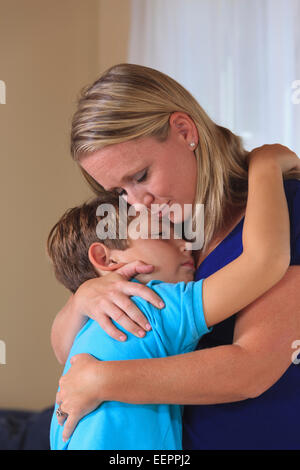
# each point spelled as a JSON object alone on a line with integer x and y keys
{"x": 99, "y": 256}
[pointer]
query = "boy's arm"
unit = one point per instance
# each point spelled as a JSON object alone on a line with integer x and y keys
{"x": 266, "y": 246}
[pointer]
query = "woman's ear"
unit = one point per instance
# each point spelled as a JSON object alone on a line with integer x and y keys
{"x": 184, "y": 125}
{"x": 99, "y": 256}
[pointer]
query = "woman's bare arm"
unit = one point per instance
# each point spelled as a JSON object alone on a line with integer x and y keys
{"x": 260, "y": 354}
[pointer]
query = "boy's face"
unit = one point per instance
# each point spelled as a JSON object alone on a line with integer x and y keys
{"x": 171, "y": 260}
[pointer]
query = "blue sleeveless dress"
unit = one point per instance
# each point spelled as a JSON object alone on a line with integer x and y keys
{"x": 270, "y": 421}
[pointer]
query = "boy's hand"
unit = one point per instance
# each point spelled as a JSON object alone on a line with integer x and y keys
{"x": 106, "y": 298}
{"x": 286, "y": 159}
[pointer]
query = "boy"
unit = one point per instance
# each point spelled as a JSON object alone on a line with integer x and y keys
{"x": 191, "y": 308}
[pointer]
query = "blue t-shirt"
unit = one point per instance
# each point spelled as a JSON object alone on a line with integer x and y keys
{"x": 269, "y": 421}
{"x": 176, "y": 329}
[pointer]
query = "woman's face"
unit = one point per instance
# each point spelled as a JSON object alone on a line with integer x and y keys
{"x": 147, "y": 171}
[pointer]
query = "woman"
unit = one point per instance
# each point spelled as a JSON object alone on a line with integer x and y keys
{"x": 139, "y": 133}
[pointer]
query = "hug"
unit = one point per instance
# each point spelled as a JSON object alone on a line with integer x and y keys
{"x": 164, "y": 347}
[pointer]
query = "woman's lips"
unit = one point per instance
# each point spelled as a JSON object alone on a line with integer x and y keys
{"x": 189, "y": 264}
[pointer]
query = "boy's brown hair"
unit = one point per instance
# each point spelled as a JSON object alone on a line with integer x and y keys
{"x": 69, "y": 241}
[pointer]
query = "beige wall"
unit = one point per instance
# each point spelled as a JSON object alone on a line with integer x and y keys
{"x": 48, "y": 51}
{"x": 114, "y": 26}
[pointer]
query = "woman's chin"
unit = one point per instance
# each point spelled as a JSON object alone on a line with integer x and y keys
{"x": 181, "y": 214}
{"x": 186, "y": 277}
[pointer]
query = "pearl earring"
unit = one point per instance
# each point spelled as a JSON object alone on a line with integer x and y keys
{"x": 192, "y": 144}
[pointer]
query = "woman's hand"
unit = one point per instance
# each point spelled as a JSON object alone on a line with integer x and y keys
{"x": 106, "y": 298}
{"x": 286, "y": 159}
{"x": 79, "y": 392}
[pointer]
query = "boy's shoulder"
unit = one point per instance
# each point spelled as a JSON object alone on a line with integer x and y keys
{"x": 166, "y": 288}
{"x": 172, "y": 294}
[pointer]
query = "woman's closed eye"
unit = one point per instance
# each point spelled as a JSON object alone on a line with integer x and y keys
{"x": 139, "y": 178}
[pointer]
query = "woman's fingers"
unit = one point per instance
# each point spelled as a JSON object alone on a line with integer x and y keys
{"x": 140, "y": 290}
{"x": 135, "y": 267}
{"x": 109, "y": 328}
{"x": 80, "y": 390}
{"x": 60, "y": 418}
{"x": 129, "y": 316}
{"x": 115, "y": 310}
{"x": 111, "y": 301}
{"x": 69, "y": 427}
{"x": 123, "y": 311}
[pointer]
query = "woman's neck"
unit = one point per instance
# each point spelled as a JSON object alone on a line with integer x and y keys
{"x": 232, "y": 216}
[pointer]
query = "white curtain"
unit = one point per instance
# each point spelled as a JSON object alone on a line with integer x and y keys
{"x": 239, "y": 58}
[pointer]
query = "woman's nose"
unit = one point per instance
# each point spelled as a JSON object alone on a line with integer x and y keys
{"x": 148, "y": 200}
{"x": 145, "y": 199}
{"x": 188, "y": 246}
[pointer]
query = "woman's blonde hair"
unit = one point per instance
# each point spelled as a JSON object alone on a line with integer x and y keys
{"x": 131, "y": 101}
